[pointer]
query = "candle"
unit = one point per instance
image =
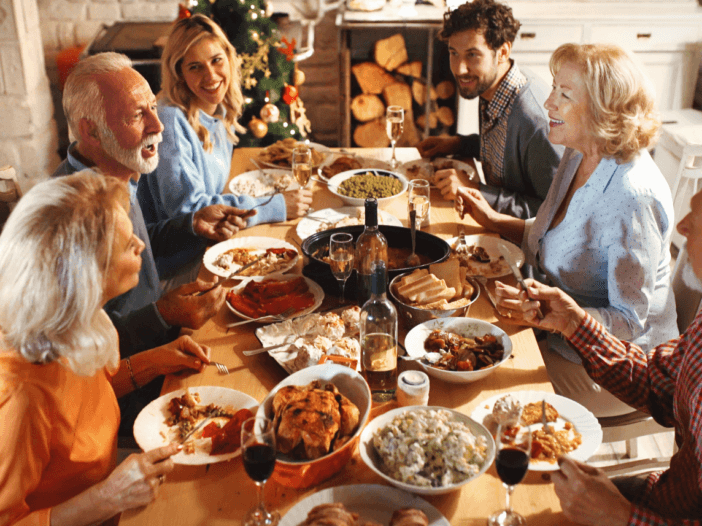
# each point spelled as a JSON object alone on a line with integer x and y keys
{"x": 412, "y": 388}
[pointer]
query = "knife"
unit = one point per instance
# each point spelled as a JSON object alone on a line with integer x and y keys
{"x": 516, "y": 273}
{"x": 192, "y": 432}
{"x": 230, "y": 276}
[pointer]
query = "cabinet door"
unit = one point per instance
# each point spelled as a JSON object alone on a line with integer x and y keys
{"x": 674, "y": 76}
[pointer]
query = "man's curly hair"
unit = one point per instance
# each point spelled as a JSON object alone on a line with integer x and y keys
{"x": 489, "y": 18}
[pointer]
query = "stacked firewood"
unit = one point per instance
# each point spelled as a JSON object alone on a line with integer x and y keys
{"x": 391, "y": 80}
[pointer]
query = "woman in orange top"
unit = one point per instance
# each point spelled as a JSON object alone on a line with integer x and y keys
{"x": 68, "y": 248}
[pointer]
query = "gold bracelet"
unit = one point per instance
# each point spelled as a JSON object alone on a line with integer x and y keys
{"x": 131, "y": 373}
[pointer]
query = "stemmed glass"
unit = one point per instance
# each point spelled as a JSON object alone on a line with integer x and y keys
{"x": 512, "y": 463}
{"x": 418, "y": 196}
{"x": 394, "y": 125}
{"x": 302, "y": 164}
{"x": 341, "y": 255}
{"x": 258, "y": 452}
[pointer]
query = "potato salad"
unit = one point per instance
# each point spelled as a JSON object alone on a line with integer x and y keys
{"x": 429, "y": 448}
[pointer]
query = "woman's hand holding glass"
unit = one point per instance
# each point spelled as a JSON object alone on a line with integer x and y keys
{"x": 341, "y": 254}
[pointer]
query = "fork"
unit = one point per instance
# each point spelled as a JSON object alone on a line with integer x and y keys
{"x": 223, "y": 369}
{"x": 273, "y": 317}
{"x": 544, "y": 422}
{"x": 267, "y": 200}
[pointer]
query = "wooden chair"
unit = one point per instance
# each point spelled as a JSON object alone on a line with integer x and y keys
{"x": 10, "y": 192}
{"x": 686, "y": 183}
{"x": 637, "y": 424}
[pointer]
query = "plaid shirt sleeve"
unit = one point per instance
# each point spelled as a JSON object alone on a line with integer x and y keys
{"x": 667, "y": 384}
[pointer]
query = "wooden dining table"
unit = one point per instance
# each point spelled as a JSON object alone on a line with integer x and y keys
{"x": 221, "y": 493}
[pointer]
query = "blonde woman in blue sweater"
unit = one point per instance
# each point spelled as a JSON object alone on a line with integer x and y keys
{"x": 199, "y": 104}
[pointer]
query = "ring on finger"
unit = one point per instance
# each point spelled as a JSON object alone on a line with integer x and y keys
{"x": 161, "y": 479}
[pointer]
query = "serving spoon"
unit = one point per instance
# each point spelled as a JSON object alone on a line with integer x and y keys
{"x": 413, "y": 259}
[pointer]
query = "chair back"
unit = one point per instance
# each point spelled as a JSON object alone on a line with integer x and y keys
{"x": 687, "y": 301}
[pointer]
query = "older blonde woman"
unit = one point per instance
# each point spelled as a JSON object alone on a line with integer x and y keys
{"x": 199, "y": 104}
{"x": 68, "y": 248}
{"x": 603, "y": 232}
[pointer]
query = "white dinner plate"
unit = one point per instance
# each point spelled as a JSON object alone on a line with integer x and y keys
{"x": 584, "y": 421}
{"x": 491, "y": 245}
{"x": 287, "y": 167}
{"x": 311, "y": 223}
{"x": 257, "y": 183}
{"x": 315, "y": 289}
{"x": 425, "y": 168}
{"x": 151, "y": 431}
{"x": 259, "y": 244}
{"x": 372, "y": 502}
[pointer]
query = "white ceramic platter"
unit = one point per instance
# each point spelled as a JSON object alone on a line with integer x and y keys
{"x": 491, "y": 245}
{"x": 315, "y": 289}
{"x": 328, "y": 217}
{"x": 258, "y": 183}
{"x": 325, "y": 150}
{"x": 468, "y": 327}
{"x": 151, "y": 431}
{"x": 372, "y": 502}
{"x": 259, "y": 246}
{"x": 335, "y": 181}
{"x": 584, "y": 421}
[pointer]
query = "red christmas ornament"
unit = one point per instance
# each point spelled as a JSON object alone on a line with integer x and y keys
{"x": 288, "y": 49}
{"x": 183, "y": 12}
{"x": 290, "y": 94}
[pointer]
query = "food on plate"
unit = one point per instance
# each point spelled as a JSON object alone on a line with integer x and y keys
{"x": 223, "y": 432}
{"x": 262, "y": 185}
{"x": 336, "y": 514}
{"x": 447, "y": 164}
{"x": 280, "y": 153}
{"x": 276, "y": 259}
{"x": 341, "y": 164}
{"x": 409, "y": 517}
{"x": 461, "y": 353}
{"x": 506, "y": 411}
{"x": 396, "y": 257}
{"x": 429, "y": 448}
{"x": 478, "y": 262}
{"x": 444, "y": 286}
{"x": 368, "y": 184}
{"x": 548, "y": 446}
{"x": 313, "y": 420}
{"x": 531, "y": 413}
{"x": 270, "y": 297}
{"x": 315, "y": 335}
{"x": 420, "y": 171}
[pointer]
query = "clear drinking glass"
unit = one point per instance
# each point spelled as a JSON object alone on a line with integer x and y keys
{"x": 258, "y": 451}
{"x": 512, "y": 463}
{"x": 302, "y": 164}
{"x": 394, "y": 126}
{"x": 419, "y": 197}
{"x": 341, "y": 254}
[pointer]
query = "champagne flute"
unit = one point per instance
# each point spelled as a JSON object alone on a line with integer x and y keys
{"x": 394, "y": 125}
{"x": 341, "y": 253}
{"x": 302, "y": 164}
{"x": 258, "y": 452}
{"x": 419, "y": 197}
{"x": 512, "y": 463}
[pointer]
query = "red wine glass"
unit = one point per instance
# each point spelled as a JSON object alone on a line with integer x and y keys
{"x": 258, "y": 452}
{"x": 512, "y": 463}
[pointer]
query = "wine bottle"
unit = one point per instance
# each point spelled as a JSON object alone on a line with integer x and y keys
{"x": 371, "y": 247}
{"x": 378, "y": 326}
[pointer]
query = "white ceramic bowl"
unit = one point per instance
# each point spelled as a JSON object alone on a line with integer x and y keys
{"x": 306, "y": 473}
{"x": 372, "y": 459}
{"x": 414, "y": 343}
{"x": 335, "y": 181}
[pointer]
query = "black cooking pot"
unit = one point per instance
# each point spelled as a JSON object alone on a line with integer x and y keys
{"x": 435, "y": 248}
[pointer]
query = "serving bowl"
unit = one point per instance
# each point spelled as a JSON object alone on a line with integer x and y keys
{"x": 468, "y": 327}
{"x": 305, "y": 473}
{"x": 429, "y": 246}
{"x": 414, "y": 315}
{"x": 372, "y": 459}
{"x": 335, "y": 181}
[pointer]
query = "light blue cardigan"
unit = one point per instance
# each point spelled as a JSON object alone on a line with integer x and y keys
{"x": 188, "y": 178}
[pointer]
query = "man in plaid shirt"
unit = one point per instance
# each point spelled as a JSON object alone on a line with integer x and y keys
{"x": 517, "y": 158}
{"x": 666, "y": 384}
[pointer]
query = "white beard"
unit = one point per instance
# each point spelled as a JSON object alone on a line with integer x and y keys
{"x": 689, "y": 277}
{"x": 132, "y": 159}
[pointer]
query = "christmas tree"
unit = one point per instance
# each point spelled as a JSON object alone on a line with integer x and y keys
{"x": 273, "y": 108}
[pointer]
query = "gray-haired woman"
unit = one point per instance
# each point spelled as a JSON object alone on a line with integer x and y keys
{"x": 66, "y": 249}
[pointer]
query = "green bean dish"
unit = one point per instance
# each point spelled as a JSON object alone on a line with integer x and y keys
{"x": 370, "y": 185}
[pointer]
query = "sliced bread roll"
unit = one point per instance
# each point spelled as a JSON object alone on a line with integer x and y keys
{"x": 449, "y": 271}
{"x": 411, "y": 278}
{"x": 407, "y": 290}
{"x": 445, "y": 293}
{"x": 430, "y": 288}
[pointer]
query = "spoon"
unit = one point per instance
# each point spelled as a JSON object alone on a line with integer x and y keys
{"x": 413, "y": 259}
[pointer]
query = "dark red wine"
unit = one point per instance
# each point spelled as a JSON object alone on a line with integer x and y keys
{"x": 259, "y": 461}
{"x": 512, "y": 465}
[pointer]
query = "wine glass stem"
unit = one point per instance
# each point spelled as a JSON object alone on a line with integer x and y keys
{"x": 394, "y": 160}
{"x": 259, "y": 488}
{"x": 343, "y": 287}
{"x": 510, "y": 489}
